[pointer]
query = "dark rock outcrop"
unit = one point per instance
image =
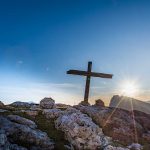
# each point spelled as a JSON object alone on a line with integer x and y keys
{"x": 99, "y": 103}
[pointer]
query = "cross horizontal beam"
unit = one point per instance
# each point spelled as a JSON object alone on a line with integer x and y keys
{"x": 92, "y": 74}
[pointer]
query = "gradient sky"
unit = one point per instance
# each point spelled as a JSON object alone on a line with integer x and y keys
{"x": 41, "y": 39}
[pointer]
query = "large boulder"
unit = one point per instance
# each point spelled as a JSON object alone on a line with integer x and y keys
{"x": 47, "y": 103}
{"x": 17, "y": 132}
{"x": 81, "y": 131}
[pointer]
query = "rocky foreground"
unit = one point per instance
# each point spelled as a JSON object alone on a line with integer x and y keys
{"x": 48, "y": 126}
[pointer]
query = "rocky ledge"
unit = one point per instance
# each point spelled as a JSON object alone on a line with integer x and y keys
{"x": 46, "y": 126}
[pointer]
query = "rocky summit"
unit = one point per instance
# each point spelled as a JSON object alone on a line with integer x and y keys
{"x": 48, "y": 126}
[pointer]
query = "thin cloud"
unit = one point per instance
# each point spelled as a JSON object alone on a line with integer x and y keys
{"x": 37, "y": 91}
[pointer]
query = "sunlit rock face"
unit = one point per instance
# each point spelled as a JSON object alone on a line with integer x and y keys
{"x": 120, "y": 124}
{"x": 47, "y": 103}
{"x": 128, "y": 103}
{"x": 81, "y": 131}
{"x": 15, "y": 130}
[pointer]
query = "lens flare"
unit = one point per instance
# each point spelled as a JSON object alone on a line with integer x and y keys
{"x": 129, "y": 88}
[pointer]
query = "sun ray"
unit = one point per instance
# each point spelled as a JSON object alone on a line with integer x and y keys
{"x": 134, "y": 123}
{"x": 129, "y": 88}
{"x": 108, "y": 118}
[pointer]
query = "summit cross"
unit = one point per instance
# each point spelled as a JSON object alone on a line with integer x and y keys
{"x": 88, "y": 75}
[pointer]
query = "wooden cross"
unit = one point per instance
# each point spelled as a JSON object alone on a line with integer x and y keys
{"x": 88, "y": 75}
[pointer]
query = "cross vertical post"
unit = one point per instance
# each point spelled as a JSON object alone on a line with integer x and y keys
{"x": 87, "y": 86}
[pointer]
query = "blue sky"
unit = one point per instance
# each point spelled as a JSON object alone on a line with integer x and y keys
{"x": 41, "y": 40}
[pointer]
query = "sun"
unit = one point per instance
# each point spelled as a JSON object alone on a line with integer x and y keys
{"x": 129, "y": 88}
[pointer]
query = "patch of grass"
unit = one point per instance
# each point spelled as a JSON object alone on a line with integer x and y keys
{"x": 48, "y": 126}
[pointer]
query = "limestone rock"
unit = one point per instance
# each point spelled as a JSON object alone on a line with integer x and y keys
{"x": 22, "y": 120}
{"x": 80, "y": 130}
{"x": 99, "y": 103}
{"x": 109, "y": 147}
{"x": 20, "y": 133}
{"x": 47, "y": 103}
{"x": 6, "y": 145}
{"x": 20, "y": 104}
{"x": 52, "y": 113}
{"x": 135, "y": 146}
{"x": 118, "y": 123}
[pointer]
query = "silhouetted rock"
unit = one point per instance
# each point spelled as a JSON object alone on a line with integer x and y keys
{"x": 99, "y": 103}
{"x": 47, "y": 103}
{"x": 128, "y": 103}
